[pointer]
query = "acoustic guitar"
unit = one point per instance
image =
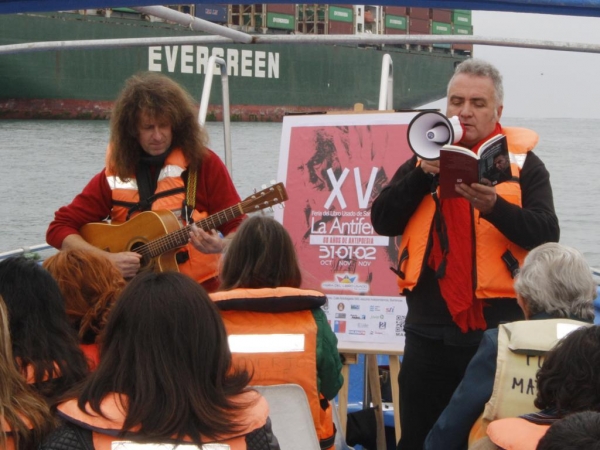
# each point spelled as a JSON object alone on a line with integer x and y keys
{"x": 158, "y": 235}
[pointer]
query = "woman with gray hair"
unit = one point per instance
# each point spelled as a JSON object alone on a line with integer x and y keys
{"x": 555, "y": 290}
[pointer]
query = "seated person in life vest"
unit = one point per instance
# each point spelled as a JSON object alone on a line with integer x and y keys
{"x": 568, "y": 383}
{"x": 556, "y": 290}
{"x": 44, "y": 344}
{"x": 263, "y": 307}
{"x": 164, "y": 377}
{"x": 574, "y": 432}
{"x": 90, "y": 285}
{"x": 25, "y": 416}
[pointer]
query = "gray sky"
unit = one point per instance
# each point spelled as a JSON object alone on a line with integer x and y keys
{"x": 542, "y": 83}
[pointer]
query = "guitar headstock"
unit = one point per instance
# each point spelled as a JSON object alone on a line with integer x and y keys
{"x": 272, "y": 195}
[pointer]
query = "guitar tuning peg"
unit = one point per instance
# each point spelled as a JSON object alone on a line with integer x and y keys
{"x": 264, "y": 186}
{"x": 273, "y": 182}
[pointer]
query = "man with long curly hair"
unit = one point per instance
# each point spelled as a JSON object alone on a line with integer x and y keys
{"x": 156, "y": 155}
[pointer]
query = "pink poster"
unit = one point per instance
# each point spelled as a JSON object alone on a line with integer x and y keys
{"x": 333, "y": 167}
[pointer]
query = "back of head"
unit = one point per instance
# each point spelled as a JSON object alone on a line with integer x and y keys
{"x": 159, "y": 97}
{"x": 480, "y": 68}
{"x": 556, "y": 279}
{"x": 166, "y": 349}
{"x": 260, "y": 255}
{"x": 26, "y": 413}
{"x": 90, "y": 285}
{"x": 42, "y": 337}
{"x": 569, "y": 379}
{"x": 578, "y": 431}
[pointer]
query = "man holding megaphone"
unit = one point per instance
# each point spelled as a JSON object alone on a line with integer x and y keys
{"x": 458, "y": 256}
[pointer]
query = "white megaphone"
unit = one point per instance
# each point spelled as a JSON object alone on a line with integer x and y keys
{"x": 430, "y": 130}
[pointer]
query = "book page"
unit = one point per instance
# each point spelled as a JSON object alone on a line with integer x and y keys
{"x": 494, "y": 163}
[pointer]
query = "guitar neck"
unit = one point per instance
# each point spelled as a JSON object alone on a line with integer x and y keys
{"x": 181, "y": 237}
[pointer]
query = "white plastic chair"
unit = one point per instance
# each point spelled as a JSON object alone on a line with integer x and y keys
{"x": 290, "y": 416}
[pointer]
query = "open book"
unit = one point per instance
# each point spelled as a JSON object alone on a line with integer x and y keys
{"x": 461, "y": 165}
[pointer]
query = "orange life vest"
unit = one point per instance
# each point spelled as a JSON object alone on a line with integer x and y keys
{"x": 114, "y": 406}
{"x": 516, "y": 433}
{"x": 493, "y": 277}
{"x": 125, "y": 194}
{"x": 278, "y": 347}
{"x": 92, "y": 355}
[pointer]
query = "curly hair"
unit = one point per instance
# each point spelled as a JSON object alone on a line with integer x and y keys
{"x": 569, "y": 379}
{"x": 90, "y": 285}
{"x": 159, "y": 97}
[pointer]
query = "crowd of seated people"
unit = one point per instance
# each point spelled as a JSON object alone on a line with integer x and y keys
{"x": 165, "y": 365}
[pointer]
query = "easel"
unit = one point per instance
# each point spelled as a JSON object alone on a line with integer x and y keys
{"x": 350, "y": 351}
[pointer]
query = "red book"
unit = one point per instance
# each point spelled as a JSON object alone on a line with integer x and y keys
{"x": 461, "y": 165}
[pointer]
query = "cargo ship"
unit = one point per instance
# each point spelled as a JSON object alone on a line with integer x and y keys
{"x": 266, "y": 81}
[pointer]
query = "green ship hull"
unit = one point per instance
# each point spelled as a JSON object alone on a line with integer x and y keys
{"x": 266, "y": 81}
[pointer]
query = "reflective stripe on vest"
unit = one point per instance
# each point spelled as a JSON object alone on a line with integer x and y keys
{"x": 105, "y": 430}
{"x": 266, "y": 343}
{"x": 522, "y": 346}
{"x": 287, "y": 363}
{"x": 199, "y": 266}
{"x": 493, "y": 278}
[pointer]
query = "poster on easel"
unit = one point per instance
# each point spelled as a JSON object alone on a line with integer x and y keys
{"x": 334, "y": 166}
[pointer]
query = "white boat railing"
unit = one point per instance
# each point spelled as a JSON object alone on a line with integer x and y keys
{"x": 386, "y": 87}
{"x": 205, "y": 100}
{"x": 30, "y": 250}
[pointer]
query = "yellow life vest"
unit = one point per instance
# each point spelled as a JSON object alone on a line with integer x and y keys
{"x": 522, "y": 346}
{"x": 493, "y": 277}
{"x": 105, "y": 430}
{"x": 170, "y": 192}
{"x": 278, "y": 347}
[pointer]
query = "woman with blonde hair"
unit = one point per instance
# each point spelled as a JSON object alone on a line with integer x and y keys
{"x": 90, "y": 285}
{"x": 25, "y": 417}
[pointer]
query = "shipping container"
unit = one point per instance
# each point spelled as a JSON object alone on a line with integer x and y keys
{"x": 460, "y": 29}
{"x": 336, "y": 27}
{"x": 419, "y": 13}
{"x": 213, "y": 12}
{"x": 442, "y": 45}
{"x": 339, "y": 14}
{"x": 463, "y": 47}
{"x": 282, "y": 8}
{"x": 441, "y": 28}
{"x": 419, "y": 26}
{"x": 396, "y": 22}
{"x": 396, "y": 10}
{"x": 281, "y": 21}
{"x": 459, "y": 18}
{"x": 441, "y": 15}
{"x": 394, "y": 31}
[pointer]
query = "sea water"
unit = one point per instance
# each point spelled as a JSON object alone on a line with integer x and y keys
{"x": 44, "y": 164}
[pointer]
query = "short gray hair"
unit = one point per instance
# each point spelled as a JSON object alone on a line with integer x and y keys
{"x": 480, "y": 68}
{"x": 557, "y": 280}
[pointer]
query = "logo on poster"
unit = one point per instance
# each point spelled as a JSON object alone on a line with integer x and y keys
{"x": 346, "y": 282}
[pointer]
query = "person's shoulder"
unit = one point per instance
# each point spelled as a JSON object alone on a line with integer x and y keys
{"x": 68, "y": 436}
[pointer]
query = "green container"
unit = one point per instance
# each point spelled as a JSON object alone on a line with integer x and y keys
{"x": 441, "y": 28}
{"x": 466, "y": 12}
{"x": 396, "y": 22}
{"x": 459, "y": 18}
{"x": 341, "y": 14}
{"x": 281, "y": 21}
{"x": 441, "y": 45}
{"x": 460, "y": 29}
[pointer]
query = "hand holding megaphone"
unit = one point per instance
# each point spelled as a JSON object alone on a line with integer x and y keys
{"x": 429, "y": 131}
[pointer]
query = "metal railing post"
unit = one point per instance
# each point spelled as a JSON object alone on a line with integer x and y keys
{"x": 210, "y": 69}
{"x": 386, "y": 87}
